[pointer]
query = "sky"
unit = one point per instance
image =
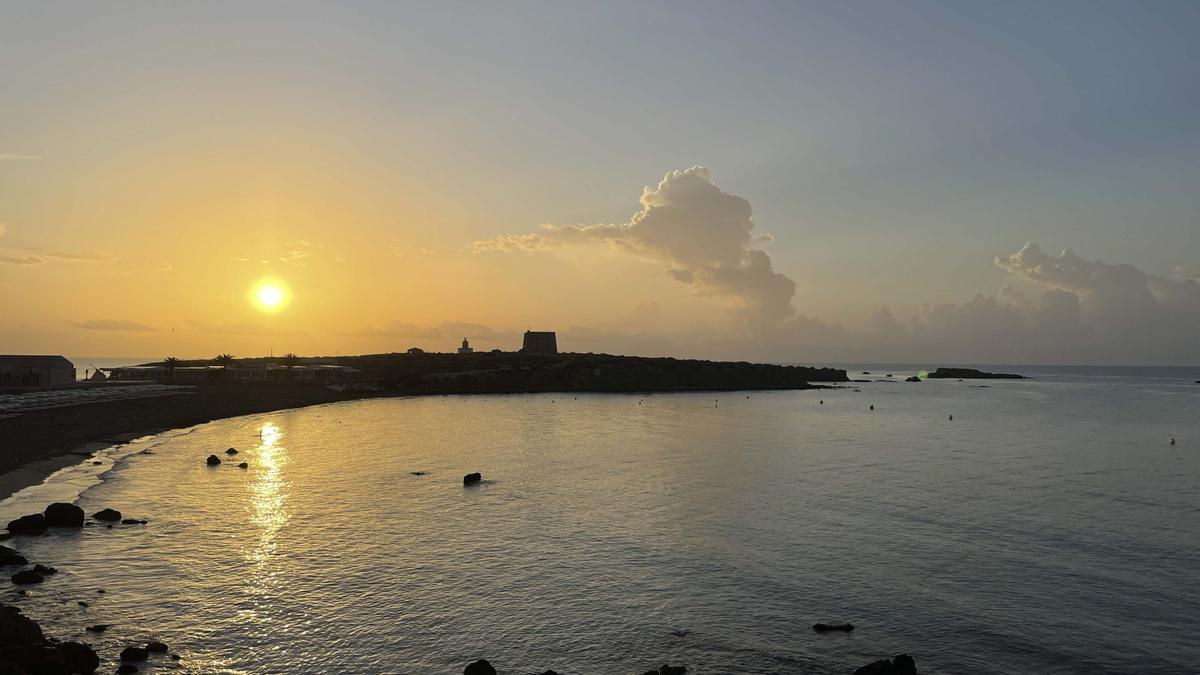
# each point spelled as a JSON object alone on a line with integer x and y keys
{"x": 954, "y": 182}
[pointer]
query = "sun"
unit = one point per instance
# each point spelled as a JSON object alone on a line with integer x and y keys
{"x": 269, "y": 295}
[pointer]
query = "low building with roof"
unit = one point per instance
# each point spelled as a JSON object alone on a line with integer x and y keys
{"x": 34, "y": 371}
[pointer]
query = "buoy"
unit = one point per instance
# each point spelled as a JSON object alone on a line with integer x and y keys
{"x": 872, "y": 406}
{"x": 822, "y": 401}
{"x": 952, "y": 418}
{"x": 1172, "y": 440}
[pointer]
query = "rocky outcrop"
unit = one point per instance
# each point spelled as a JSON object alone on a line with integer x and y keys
{"x": 108, "y": 515}
{"x": 134, "y": 654}
{"x": 914, "y": 378}
{"x": 472, "y": 478}
{"x": 156, "y": 647}
{"x": 244, "y": 465}
{"x": 61, "y": 514}
{"x": 480, "y": 667}
{"x": 971, "y": 374}
{"x": 24, "y": 649}
{"x": 212, "y": 460}
{"x": 11, "y": 556}
{"x": 666, "y": 669}
{"x": 231, "y": 451}
{"x": 836, "y": 626}
{"x": 31, "y": 524}
{"x": 26, "y": 577}
{"x": 901, "y": 665}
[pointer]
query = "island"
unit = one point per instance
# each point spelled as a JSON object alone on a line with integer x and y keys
{"x": 971, "y": 374}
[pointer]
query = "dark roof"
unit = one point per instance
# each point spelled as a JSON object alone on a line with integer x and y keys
{"x": 30, "y": 360}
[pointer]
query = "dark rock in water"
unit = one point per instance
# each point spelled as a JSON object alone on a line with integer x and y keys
{"x": 836, "y": 626}
{"x": 132, "y": 521}
{"x": 81, "y": 603}
{"x": 972, "y": 374}
{"x": 665, "y": 669}
{"x": 97, "y": 463}
{"x": 480, "y": 667}
{"x": 111, "y": 515}
{"x": 243, "y": 465}
{"x": 5, "y": 550}
{"x": 126, "y": 669}
{"x": 174, "y": 657}
{"x": 472, "y": 478}
{"x": 79, "y": 657}
{"x": 231, "y": 451}
{"x": 134, "y": 654}
{"x": 32, "y": 524}
{"x": 418, "y": 473}
{"x": 98, "y": 628}
{"x": 156, "y": 646}
{"x": 60, "y": 514}
{"x": 681, "y": 633}
{"x": 914, "y": 378}
{"x": 550, "y": 672}
{"x": 213, "y": 460}
{"x": 10, "y": 556}
{"x": 901, "y": 665}
{"x": 26, "y": 577}
{"x": 43, "y": 570}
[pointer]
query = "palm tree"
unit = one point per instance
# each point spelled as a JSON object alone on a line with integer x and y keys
{"x": 224, "y": 360}
{"x": 290, "y": 360}
{"x": 171, "y": 363}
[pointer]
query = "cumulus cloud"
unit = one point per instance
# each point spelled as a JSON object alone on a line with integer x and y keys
{"x": 112, "y": 325}
{"x": 699, "y": 232}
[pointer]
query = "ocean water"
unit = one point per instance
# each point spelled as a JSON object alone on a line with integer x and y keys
{"x": 1049, "y": 528}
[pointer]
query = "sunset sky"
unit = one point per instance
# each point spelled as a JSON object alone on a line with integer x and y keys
{"x": 807, "y": 182}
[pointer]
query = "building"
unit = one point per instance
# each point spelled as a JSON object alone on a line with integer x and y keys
{"x": 36, "y": 371}
{"x": 540, "y": 342}
{"x": 465, "y": 348}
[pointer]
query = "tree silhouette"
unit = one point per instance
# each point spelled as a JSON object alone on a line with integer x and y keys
{"x": 290, "y": 360}
{"x": 171, "y": 363}
{"x": 224, "y": 360}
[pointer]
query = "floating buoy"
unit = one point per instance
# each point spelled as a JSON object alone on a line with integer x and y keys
{"x": 952, "y": 418}
{"x": 1172, "y": 440}
{"x": 872, "y": 406}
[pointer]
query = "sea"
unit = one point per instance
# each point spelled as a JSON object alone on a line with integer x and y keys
{"x": 1050, "y": 527}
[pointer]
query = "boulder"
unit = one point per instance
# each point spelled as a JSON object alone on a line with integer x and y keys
{"x": 231, "y": 451}
{"x": 32, "y": 524}
{"x": 901, "y": 665}
{"x": 472, "y": 478}
{"x": 665, "y": 669}
{"x": 80, "y": 658}
{"x": 43, "y": 570}
{"x": 98, "y": 628}
{"x": 61, "y": 514}
{"x": 126, "y": 669}
{"x": 835, "y": 626}
{"x": 243, "y": 465}
{"x": 480, "y": 667}
{"x": 111, "y": 515}
{"x": 156, "y": 646}
{"x": 26, "y": 577}
{"x": 134, "y": 654}
{"x": 417, "y": 473}
{"x": 212, "y": 460}
{"x": 13, "y": 559}
{"x": 914, "y": 378}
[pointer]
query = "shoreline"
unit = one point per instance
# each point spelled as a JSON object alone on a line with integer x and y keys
{"x": 47, "y": 441}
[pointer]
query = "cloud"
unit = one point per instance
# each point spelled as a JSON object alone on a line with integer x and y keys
{"x": 87, "y": 256}
{"x": 295, "y": 252}
{"x": 112, "y": 325}
{"x": 701, "y": 234}
{"x": 24, "y": 260}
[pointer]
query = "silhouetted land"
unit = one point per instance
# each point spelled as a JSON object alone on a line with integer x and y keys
{"x": 41, "y": 434}
{"x": 972, "y": 374}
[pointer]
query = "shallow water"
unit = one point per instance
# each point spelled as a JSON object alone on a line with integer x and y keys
{"x": 1048, "y": 528}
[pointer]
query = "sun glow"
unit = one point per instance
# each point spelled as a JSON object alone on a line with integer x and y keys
{"x": 269, "y": 295}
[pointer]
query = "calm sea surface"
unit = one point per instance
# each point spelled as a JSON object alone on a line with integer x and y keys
{"x": 1049, "y": 528}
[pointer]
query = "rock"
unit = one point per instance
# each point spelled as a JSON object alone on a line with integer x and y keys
{"x": 243, "y": 465}
{"x": 126, "y": 669}
{"x": 681, "y": 633}
{"x": 174, "y": 657}
{"x": 134, "y": 654}
{"x": 98, "y": 628}
{"x": 81, "y": 603}
{"x": 10, "y": 556}
{"x": 26, "y": 577}
{"x": 836, "y": 626}
{"x": 472, "y": 478}
{"x": 32, "y": 524}
{"x": 231, "y": 451}
{"x": 80, "y": 658}
{"x": 60, "y": 514}
{"x": 156, "y": 646}
{"x": 480, "y": 667}
{"x": 901, "y": 665}
{"x": 972, "y": 374}
{"x": 111, "y": 515}
{"x": 213, "y": 460}
{"x": 914, "y": 378}
{"x": 43, "y": 570}
{"x": 418, "y": 473}
{"x": 665, "y": 669}
{"x": 97, "y": 463}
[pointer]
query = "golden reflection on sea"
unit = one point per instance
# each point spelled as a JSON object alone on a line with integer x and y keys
{"x": 268, "y": 499}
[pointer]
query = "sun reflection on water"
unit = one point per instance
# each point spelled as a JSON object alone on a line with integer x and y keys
{"x": 269, "y": 493}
